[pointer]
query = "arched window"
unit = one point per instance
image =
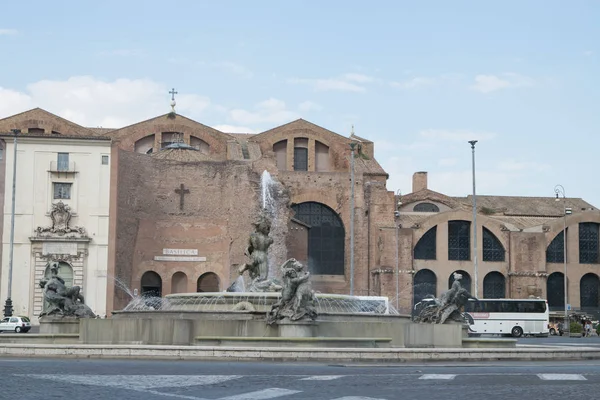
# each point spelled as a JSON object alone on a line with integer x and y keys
{"x": 208, "y": 282}
{"x": 425, "y": 248}
{"x": 459, "y": 240}
{"x": 280, "y": 150}
{"x": 424, "y": 284}
{"x": 151, "y": 284}
{"x": 301, "y": 154}
{"x": 65, "y": 271}
{"x": 465, "y": 282}
{"x": 199, "y": 144}
{"x": 555, "y": 287}
{"x": 588, "y": 291}
{"x": 588, "y": 243}
{"x": 326, "y": 237}
{"x": 321, "y": 157}
{"x": 555, "y": 253}
{"x": 426, "y": 207}
{"x": 492, "y": 248}
{"x": 494, "y": 286}
{"x": 145, "y": 145}
{"x": 179, "y": 282}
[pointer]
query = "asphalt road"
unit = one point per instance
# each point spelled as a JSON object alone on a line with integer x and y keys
{"x": 162, "y": 380}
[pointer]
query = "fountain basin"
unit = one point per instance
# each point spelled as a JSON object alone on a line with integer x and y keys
{"x": 257, "y": 301}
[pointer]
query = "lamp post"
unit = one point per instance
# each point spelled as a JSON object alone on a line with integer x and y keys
{"x": 352, "y": 147}
{"x": 8, "y": 307}
{"x": 560, "y": 190}
{"x": 472, "y": 143}
{"x": 397, "y": 215}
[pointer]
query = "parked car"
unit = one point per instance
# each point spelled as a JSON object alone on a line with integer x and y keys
{"x": 15, "y": 324}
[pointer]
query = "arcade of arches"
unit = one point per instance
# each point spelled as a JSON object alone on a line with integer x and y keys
{"x": 152, "y": 283}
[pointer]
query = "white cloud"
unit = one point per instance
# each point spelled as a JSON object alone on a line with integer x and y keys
{"x": 306, "y": 106}
{"x": 88, "y": 101}
{"x": 492, "y": 83}
{"x": 334, "y": 84}
{"x": 271, "y": 111}
{"x": 234, "y": 129}
{"x": 455, "y": 135}
{"x": 8, "y": 32}
{"x": 359, "y": 78}
{"x": 413, "y": 83}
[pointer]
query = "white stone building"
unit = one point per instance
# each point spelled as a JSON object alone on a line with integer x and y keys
{"x": 61, "y": 214}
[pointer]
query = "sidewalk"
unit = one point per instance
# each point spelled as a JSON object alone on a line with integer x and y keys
{"x": 383, "y": 355}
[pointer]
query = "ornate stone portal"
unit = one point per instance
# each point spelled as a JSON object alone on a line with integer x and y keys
{"x": 62, "y": 245}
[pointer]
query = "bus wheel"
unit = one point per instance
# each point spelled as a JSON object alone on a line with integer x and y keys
{"x": 552, "y": 331}
{"x": 517, "y": 331}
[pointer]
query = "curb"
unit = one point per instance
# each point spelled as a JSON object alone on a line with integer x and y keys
{"x": 211, "y": 353}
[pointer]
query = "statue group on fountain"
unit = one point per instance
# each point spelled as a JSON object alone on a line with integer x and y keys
{"x": 62, "y": 300}
{"x": 447, "y": 308}
{"x": 257, "y": 250}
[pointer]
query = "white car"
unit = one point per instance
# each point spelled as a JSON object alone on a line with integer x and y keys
{"x": 15, "y": 324}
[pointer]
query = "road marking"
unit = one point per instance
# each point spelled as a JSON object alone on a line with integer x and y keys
{"x": 262, "y": 394}
{"x": 322, "y": 378}
{"x": 438, "y": 376}
{"x": 562, "y": 377}
{"x": 356, "y": 398}
{"x": 137, "y": 382}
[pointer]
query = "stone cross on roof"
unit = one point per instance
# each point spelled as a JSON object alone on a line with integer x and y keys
{"x": 173, "y": 103}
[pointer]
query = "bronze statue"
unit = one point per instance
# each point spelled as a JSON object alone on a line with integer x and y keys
{"x": 297, "y": 297}
{"x": 257, "y": 250}
{"x": 447, "y": 308}
{"x": 62, "y": 300}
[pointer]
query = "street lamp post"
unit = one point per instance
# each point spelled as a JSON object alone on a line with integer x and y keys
{"x": 352, "y": 183}
{"x": 397, "y": 214}
{"x": 472, "y": 143}
{"x": 560, "y": 190}
{"x": 8, "y": 306}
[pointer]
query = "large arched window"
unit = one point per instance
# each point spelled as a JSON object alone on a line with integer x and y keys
{"x": 179, "y": 282}
{"x": 465, "y": 281}
{"x": 301, "y": 154}
{"x": 588, "y": 291}
{"x": 459, "y": 240}
{"x": 321, "y": 157}
{"x": 280, "y": 150}
{"x": 492, "y": 248}
{"x": 199, "y": 145}
{"x": 145, "y": 145}
{"x": 494, "y": 286}
{"x": 555, "y": 253}
{"x": 326, "y": 237}
{"x": 555, "y": 287}
{"x": 426, "y": 207}
{"x": 208, "y": 282}
{"x": 151, "y": 284}
{"x": 588, "y": 243}
{"x": 424, "y": 284}
{"x": 425, "y": 248}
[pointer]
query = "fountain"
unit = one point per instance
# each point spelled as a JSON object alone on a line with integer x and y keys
{"x": 272, "y": 308}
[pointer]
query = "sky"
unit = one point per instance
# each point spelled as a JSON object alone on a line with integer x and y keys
{"x": 420, "y": 79}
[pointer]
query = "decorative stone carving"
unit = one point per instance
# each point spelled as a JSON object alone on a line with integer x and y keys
{"x": 446, "y": 309}
{"x": 297, "y": 297}
{"x": 62, "y": 300}
{"x": 60, "y": 216}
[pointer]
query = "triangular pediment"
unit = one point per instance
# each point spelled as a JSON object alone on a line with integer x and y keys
{"x": 41, "y": 122}
{"x": 300, "y": 125}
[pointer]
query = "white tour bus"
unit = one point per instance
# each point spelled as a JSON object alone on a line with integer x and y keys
{"x": 508, "y": 317}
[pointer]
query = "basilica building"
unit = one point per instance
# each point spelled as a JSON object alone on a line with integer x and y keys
{"x": 167, "y": 205}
